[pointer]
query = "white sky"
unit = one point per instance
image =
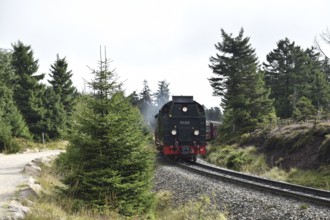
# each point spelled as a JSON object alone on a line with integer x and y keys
{"x": 155, "y": 40}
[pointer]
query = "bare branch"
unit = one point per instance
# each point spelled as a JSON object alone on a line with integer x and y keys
{"x": 318, "y": 46}
{"x": 326, "y": 36}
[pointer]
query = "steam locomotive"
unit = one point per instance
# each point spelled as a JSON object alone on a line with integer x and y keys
{"x": 181, "y": 128}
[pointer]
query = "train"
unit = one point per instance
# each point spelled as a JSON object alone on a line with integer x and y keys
{"x": 182, "y": 130}
{"x": 212, "y": 129}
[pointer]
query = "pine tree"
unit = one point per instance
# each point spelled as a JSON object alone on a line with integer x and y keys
{"x": 240, "y": 85}
{"x": 110, "y": 167}
{"x": 28, "y": 92}
{"x": 292, "y": 73}
{"x": 304, "y": 109}
{"x": 280, "y": 76}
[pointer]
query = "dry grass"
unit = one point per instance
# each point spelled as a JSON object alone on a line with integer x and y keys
{"x": 200, "y": 208}
{"x": 53, "y": 205}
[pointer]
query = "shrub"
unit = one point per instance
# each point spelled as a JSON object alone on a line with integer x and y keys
{"x": 240, "y": 159}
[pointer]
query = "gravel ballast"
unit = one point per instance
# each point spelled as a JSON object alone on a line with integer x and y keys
{"x": 237, "y": 201}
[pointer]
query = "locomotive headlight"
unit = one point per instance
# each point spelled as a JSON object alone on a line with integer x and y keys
{"x": 196, "y": 132}
{"x": 173, "y": 132}
{"x": 184, "y": 109}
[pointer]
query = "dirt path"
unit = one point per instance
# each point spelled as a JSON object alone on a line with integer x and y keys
{"x": 11, "y": 173}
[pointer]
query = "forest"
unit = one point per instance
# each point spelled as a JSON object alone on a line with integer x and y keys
{"x": 109, "y": 134}
{"x": 293, "y": 84}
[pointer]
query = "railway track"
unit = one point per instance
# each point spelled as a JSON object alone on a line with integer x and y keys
{"x": 313, "y": 195}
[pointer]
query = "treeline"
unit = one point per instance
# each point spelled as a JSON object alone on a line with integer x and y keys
{"x": 149, "y": 103}
{"x": 28, "y": 108}
{"x": 293, "y": 83}
{"x": 108, "y": 164}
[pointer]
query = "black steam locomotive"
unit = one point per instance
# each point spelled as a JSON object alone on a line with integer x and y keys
{"x": 181, "y": 128}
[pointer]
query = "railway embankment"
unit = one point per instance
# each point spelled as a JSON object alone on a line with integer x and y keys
{"x": 297, "y": 153}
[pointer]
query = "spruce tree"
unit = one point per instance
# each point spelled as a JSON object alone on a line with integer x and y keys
{"x": 145, "y": 97}
{"x": 28, "y": 91}
{"x": 146, "y": 105}
{"x": 240, "y": 85}
{"x": 55, "y": 122}
{"x": 109, "y": 163}
{"x": 163, "y": 93}
{"x": 62, "y": 84}
{"x": 135, "y": 99}
{"x": 326, "y": 68}
{"x": 12, "y": 123}
{"x": 63, "y": 95}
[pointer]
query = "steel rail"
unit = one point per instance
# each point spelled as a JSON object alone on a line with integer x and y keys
{"x": 318, "y": 196}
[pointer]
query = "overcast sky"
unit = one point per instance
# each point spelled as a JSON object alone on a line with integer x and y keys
{"x": 154, "y": 40}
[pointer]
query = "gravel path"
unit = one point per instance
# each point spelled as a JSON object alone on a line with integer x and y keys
{"x": 11, "y": 173}
{"x": 238, "y": 201}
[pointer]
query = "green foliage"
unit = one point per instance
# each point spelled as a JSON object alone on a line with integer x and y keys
{"x": 28, "y": 92}
{"x": 55, "y": 119}
{"x": 12, "y": 123}
{"x": 59, "y": 100}
{"x": 293, "y": 73}
{"x": 53, "y": 205}
{"x": 240, "y": 159}
{"x": 324, "y": 150}
{"x": 111, "y": 166}
{"x": 213, "y": 114}
{"x": 62, "y": 84}
{"x": 304, "y": 109}
{"x": 319, "y": 178}
{"x": 7, "y": 73}
{"x": 108, "y": 166}
{"x": 241, "y": 86}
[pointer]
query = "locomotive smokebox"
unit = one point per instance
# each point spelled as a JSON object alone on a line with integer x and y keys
{"x": 181, "y": 128}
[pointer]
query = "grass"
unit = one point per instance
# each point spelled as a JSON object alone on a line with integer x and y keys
{"x": 249, "y": 161}
{"x": 319, "y": 178}
{"x": 52, "y": 205}
{"x": 200, "y": 208}
{"x": 22, "y": 145}
{"x": 240, "y": 159}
